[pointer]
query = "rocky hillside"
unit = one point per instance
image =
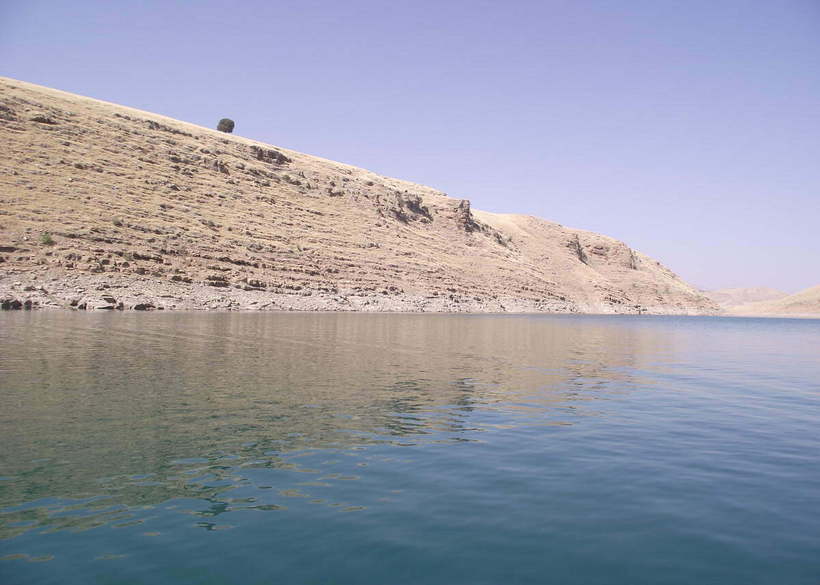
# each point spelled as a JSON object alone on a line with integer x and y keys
{"x": 732, "y": 297}
{"x": 105, "y": 206}
{"x": 805, "y": 303}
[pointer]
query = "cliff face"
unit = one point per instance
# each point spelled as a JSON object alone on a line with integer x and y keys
{"x": 104, "y": 206}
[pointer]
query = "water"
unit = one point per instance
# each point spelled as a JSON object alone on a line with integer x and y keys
{"x": 408, "y": 449}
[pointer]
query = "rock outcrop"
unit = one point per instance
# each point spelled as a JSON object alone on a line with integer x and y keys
{"x": 143, "y": 212}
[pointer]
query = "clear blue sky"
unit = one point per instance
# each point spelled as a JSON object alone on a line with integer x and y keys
{"x": 689, "y": 129}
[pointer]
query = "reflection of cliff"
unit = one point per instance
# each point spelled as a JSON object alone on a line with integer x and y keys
{"x": 91, "y": 400}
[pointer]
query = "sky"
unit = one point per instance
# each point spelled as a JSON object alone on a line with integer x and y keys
{"x": 689, "y": 129}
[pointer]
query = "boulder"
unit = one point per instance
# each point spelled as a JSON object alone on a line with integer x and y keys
{"x": 10, "y": 305}
{"x": 7, "y": 114}
{"x": 42, "y": 118}
{"x": 104, "y": 303}
{"x": 269, "y": 155}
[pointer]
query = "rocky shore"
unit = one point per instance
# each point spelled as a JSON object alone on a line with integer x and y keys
{"x": 106, "y": 293}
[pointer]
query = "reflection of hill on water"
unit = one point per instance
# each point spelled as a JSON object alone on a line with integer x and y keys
{"x": 109, "y": 404}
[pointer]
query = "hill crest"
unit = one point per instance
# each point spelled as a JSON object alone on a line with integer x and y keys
{"x": 732, "y": 297}
{"x": 804, "y": 303}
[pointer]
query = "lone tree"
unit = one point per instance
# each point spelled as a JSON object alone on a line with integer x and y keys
{"x": 225, "y": 125}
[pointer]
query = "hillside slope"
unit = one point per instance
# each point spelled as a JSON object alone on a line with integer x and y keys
{"x": 805, "y": 303}
{"x": 105, "y": 206}
{"x": 732, "y": 297}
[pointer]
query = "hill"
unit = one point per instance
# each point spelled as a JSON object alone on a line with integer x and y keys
{"x": 805, "y": 303}
{"x": 104, "y": 206}
{"x": 732, "y": 297}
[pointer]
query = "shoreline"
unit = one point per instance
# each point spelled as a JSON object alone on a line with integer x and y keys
{"x": 89, "y": 292}
{"x": 84, "y": 292}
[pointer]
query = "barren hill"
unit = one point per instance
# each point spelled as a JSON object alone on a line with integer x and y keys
{"x": 805, "y": 303}
{"x": 105, "y": 206}
{"x": 732, "y": 297}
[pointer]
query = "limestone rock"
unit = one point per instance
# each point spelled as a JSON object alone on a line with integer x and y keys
{"x": 102, "y": 303}
{"x": 464, "y": 217}
{"x": 7, "y": 114}
{"x": 11, "y": 304}
{"x": 269, "y": 155}
{"x": 43, "y": 119}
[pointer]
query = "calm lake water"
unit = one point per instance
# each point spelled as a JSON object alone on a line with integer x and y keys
{"x": 408, "y": 449}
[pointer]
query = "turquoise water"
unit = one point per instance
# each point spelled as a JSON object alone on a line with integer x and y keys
{"x": 408, "y": 449}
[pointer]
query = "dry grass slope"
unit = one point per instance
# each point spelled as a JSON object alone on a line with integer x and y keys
{"x": 732, "y": 297}
{"x": 105, "y": 206}
{"x": 805, "y": 303}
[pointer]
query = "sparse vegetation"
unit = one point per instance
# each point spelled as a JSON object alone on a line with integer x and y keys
{"x": 225, "y": 125}
{"x": 46, "y": 239}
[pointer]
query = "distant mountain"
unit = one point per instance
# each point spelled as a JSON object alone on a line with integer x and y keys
{"x": 104, "y": 206}
{"x": 731, "y": 297}
{"x": 805, "y": 303}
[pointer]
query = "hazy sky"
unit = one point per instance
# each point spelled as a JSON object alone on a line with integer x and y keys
{"x": 689, "y": 129}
